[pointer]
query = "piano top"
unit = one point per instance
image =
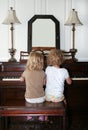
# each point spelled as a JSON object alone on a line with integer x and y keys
{"x": 12, "y": 66}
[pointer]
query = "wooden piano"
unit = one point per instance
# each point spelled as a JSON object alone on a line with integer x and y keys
{"x": 12, "y": 90}
{"x": 76, "y": 93}
{"x": 10, "y": 86}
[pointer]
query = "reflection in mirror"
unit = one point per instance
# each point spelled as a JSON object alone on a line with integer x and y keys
{"x": 43, "y": 31}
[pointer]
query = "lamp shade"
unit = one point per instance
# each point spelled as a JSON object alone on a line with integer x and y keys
{"x": 73, "y": 19}
{"x": 11, "y": 17}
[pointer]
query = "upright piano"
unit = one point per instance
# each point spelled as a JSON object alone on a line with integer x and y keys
{"x": 76, "y": 93}
{"x": 10, "y": 86}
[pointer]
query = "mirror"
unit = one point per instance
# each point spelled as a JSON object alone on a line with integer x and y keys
{"x": 43, "y": 31}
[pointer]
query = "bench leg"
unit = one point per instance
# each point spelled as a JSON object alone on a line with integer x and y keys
{"x": 4, "y": 123}
{"x": 64, "y": 123}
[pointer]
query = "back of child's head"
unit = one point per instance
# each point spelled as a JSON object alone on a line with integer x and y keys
{"x": 35, "y": 61}
{"x": 55, "y": 57}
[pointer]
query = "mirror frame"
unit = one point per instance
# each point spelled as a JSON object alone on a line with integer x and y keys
{"x": 57, "y": 30}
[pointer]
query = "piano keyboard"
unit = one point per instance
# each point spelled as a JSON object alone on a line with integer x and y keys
{"x": 18, "y": 79}
{"x": 86, "y": 78}
{"x": 11, "y": 79}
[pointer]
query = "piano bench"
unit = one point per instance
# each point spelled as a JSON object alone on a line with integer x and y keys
{"x": 27, "y": 109}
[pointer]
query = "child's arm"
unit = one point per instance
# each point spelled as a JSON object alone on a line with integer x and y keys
{"x": 44, "y": 81}
{"x": 68, "y": 80}
{"x": 22, "y": 78}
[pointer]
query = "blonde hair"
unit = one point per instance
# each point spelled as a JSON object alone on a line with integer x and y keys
{"x": 35, "y": 61}
{"x": 55, "y": 57}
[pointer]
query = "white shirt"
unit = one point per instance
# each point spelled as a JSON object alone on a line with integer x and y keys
{"x": 55, "y": 78}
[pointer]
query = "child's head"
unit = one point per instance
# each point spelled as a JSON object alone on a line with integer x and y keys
{"x": 35, "y": 61}
{"x": 55, "y": 57}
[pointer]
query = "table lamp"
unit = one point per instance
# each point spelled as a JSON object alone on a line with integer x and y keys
{"x": 10, "y": 20}
{"x": 73, "y": 20}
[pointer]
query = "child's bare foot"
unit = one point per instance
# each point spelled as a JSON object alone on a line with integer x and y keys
{"x": 29, "y": 117}
{"x": 43, "y": 118}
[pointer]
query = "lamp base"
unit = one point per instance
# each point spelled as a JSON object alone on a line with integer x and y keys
{"x": 12, "y": 53}
{"x": 12, "y": 60}
{"x": 73, "y": 52}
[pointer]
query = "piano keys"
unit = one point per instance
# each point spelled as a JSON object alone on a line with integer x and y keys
{"x": 11, "y": 79}
{"x": 80, "y": 79}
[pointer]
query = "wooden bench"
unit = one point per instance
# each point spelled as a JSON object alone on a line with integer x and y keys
{"x": 14, "y": 108}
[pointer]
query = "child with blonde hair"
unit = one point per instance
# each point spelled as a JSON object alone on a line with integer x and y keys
{"x": 55, "y": 77}
{"x": 34, "y": 78}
